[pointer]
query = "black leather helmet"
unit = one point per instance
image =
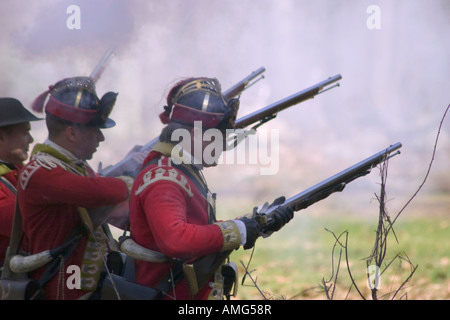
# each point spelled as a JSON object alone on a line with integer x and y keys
{"x": 200, "y": 99}
{"x": 75, "y": 100}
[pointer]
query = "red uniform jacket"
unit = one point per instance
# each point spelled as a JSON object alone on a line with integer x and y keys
{"x": 169, "y": 215}
{"x": 7, "y": 207}
{"x": 49, "y": 196}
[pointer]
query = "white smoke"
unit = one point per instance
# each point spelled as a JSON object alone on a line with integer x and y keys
{"x": 395, "y": 84}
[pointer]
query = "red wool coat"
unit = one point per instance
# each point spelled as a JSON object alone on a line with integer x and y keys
{"x": 169, "y": 215}
{"x": 49, "y": 196}
{"x": 7, "y": 208}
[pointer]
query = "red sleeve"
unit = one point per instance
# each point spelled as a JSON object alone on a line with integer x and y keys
{"x": 60, "y": 186}
{"x": 179, "y": 228}
{"x": 7, "y": 208}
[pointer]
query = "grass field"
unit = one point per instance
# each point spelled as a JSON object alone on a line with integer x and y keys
{"x": 292, "y": 264}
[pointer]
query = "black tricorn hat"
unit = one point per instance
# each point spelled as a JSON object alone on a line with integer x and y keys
{"x": 13, "y": 112}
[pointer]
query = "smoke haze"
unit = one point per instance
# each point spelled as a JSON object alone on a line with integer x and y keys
{"x": 395, "y": 85}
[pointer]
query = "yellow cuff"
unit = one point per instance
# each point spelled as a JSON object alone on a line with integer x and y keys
{"x": 231, "y": 235}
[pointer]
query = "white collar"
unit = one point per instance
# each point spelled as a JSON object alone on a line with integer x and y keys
{"x": 63, "y": 151}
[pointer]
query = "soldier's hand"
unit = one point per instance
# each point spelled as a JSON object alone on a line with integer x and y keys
{"x": 280, "y": 216}
{"x": 252, "y": 230}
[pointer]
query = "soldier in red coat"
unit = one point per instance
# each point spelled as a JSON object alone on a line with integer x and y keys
{"x": 15, "y": 139}
{"x": 172, "y": 210}
{"x": 58, "y": 190}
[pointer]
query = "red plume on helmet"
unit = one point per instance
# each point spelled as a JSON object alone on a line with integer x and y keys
{"x": 38, "y": 103}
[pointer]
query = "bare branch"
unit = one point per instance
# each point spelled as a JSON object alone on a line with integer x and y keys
{"x": 429, "y": 166}
{"x": 254, "y": 282}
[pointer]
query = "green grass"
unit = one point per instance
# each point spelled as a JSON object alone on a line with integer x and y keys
{"x": 292, "y": 263}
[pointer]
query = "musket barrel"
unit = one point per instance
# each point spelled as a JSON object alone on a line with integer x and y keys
{"x": 129, "y": 165}
{"x": 100, "y": 67}
{"x": 340, "y": 179}
{"x": 274, "y": 108}
{"x": 241, "y": 85}
{"x": 205, "y": 266}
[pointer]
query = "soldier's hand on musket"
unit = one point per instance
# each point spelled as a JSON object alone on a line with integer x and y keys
{"x": 277, "y": 219}
{"x": 280, "y": 216}
{"x": 252, "y": 231}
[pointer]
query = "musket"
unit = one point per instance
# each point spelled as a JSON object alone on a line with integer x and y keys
{"x": 270, "y": 112}
{"x": 201, "y": 269}
{"x": 101, "y": 65}
{"x": 20, "y": 264}
{"x": 130, "y": 164}
{"x": 261, "y": 116}
{"x": 244, "y": 84}
{"x": 333, "y": 184}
